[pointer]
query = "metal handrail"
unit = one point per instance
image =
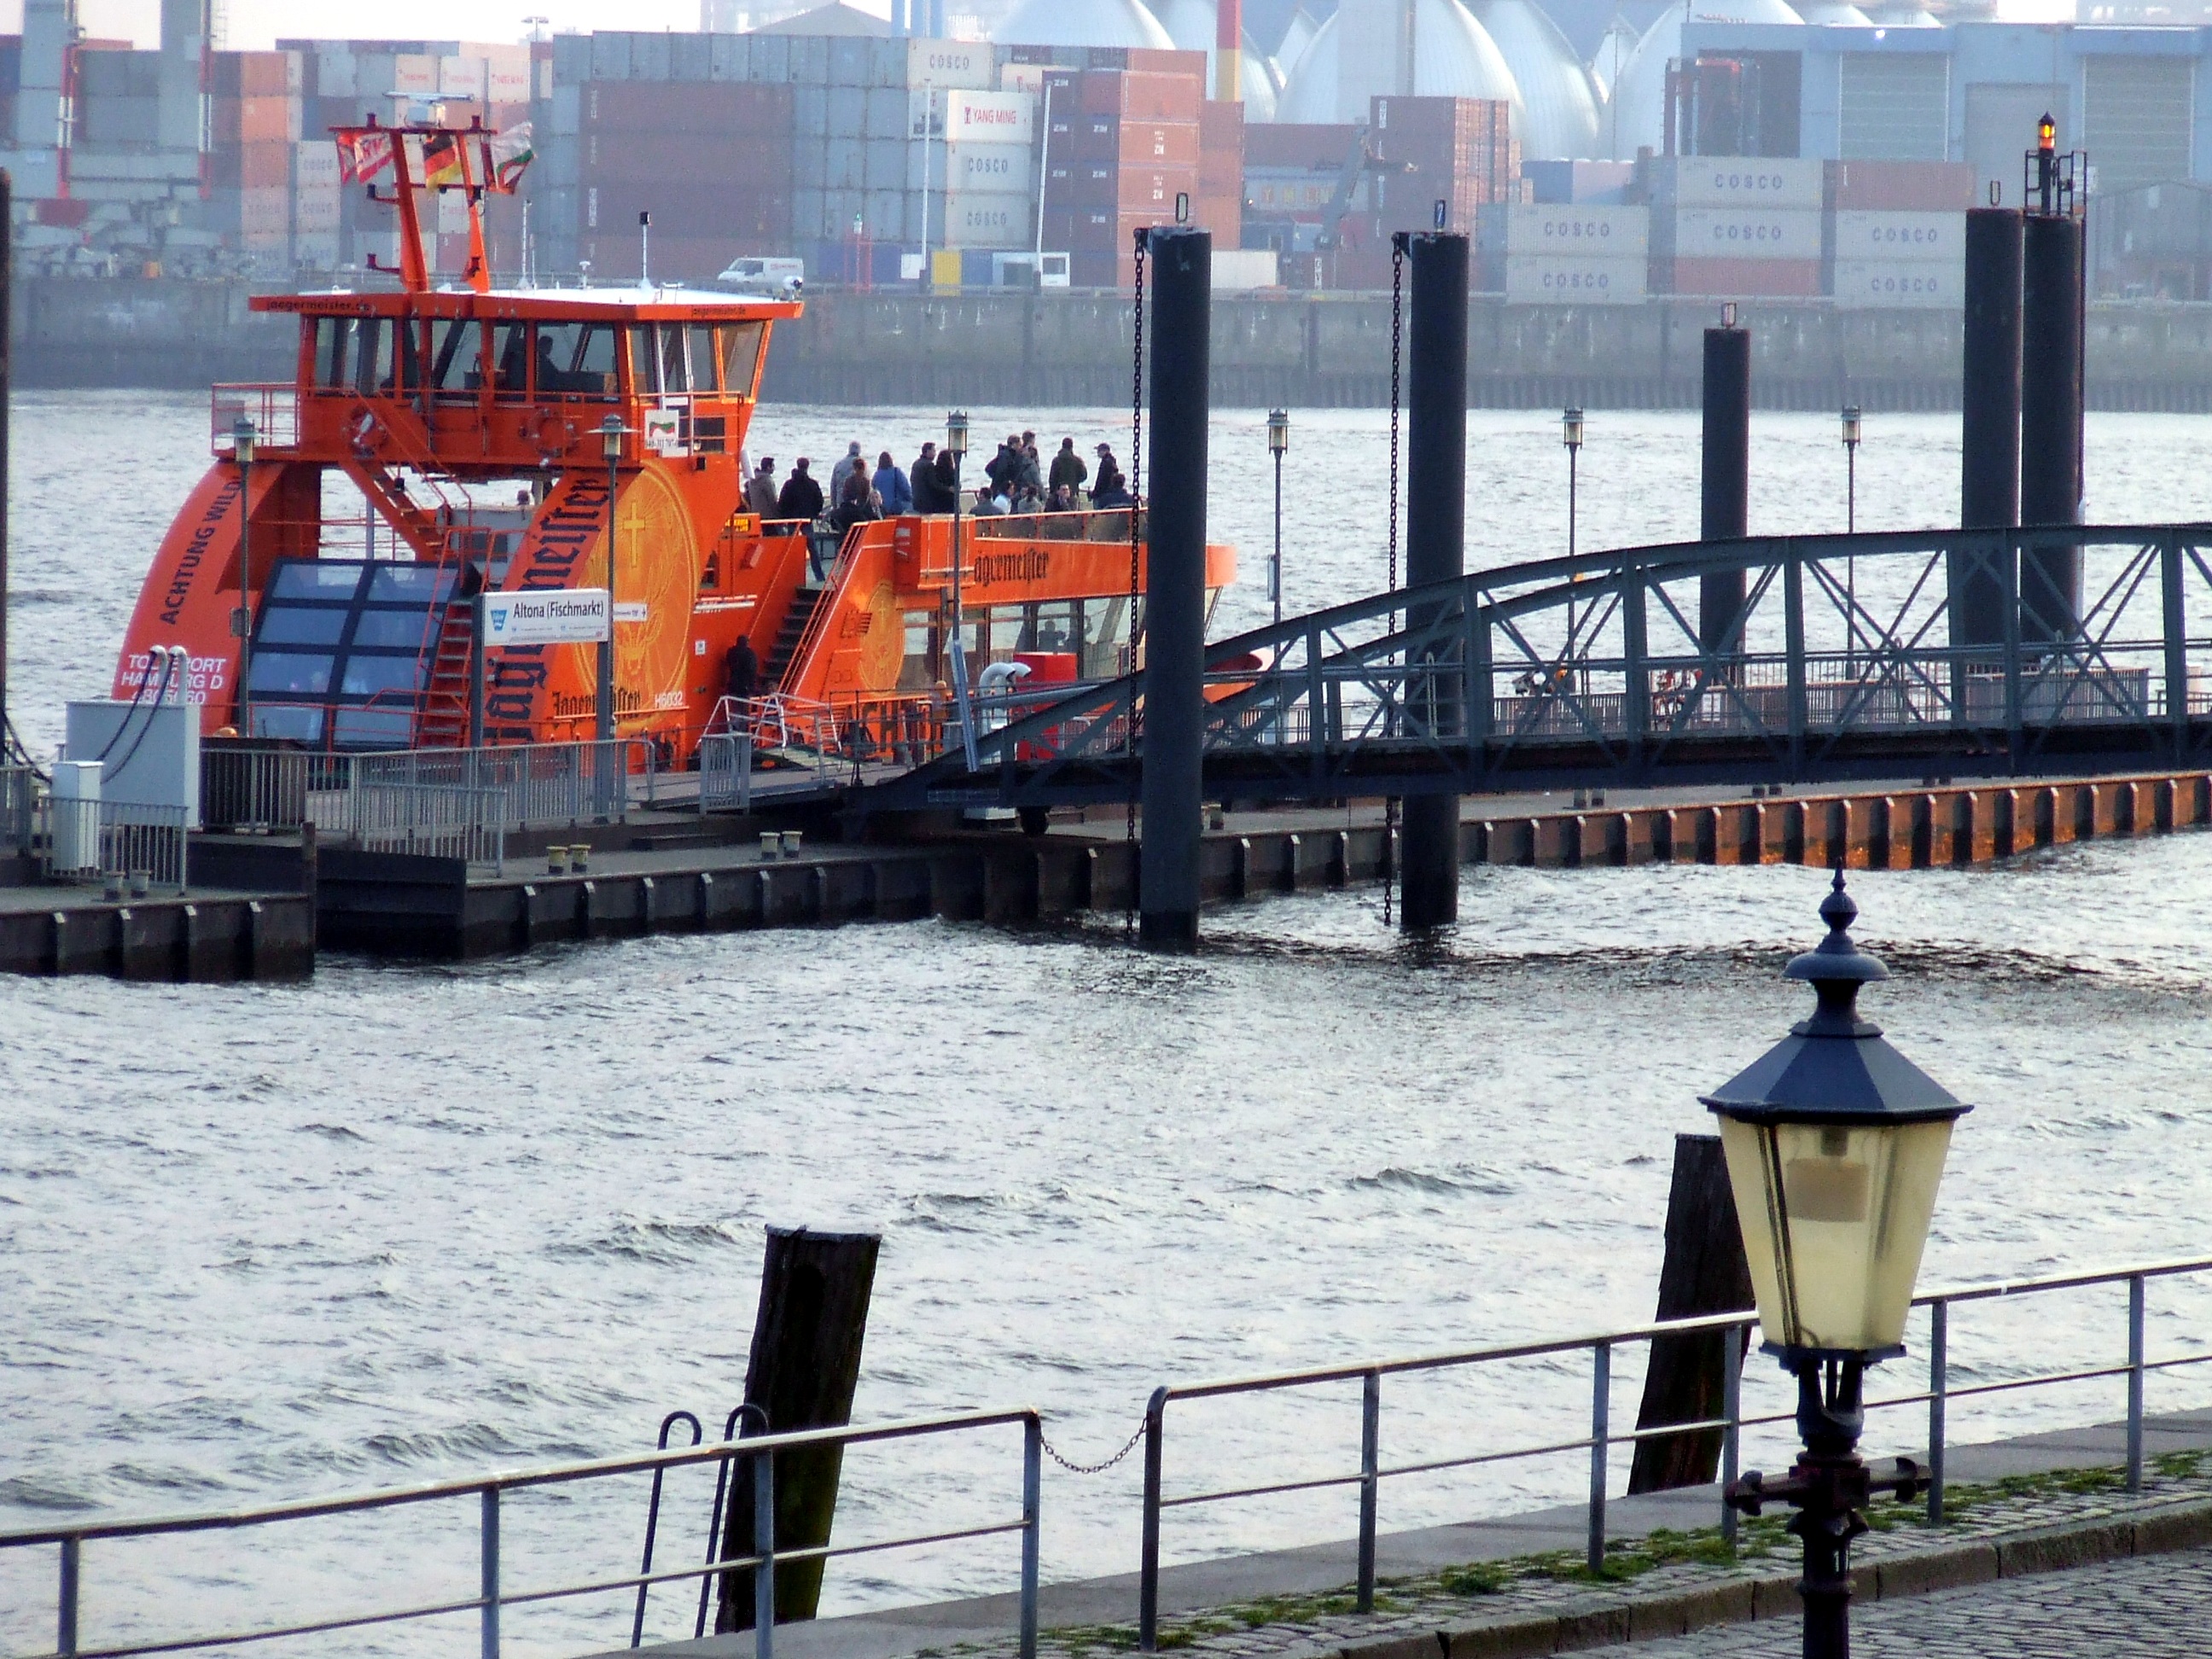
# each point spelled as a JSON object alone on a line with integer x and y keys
{"x": 1731, "y": 1424}
{"x": 759, "y": 1451}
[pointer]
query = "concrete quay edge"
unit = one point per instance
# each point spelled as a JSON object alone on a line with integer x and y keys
{"x": 1613, "y": 1622}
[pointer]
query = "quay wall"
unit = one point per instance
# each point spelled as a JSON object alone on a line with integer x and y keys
{"x": 1297, "y": 351}
{"x": 270, "y": 937}
{"x": 403, "y": 905}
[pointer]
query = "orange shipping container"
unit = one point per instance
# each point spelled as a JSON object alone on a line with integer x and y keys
{"x": 1157, "y": 143}
{"x": 1139, "y": 96}
{"x": 1724, "y": 279}
{"x": 255, "y": 120}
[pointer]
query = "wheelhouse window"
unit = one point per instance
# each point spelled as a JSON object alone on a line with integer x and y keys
{"x": 741, "y": 351}
{"x": 577, "y": 359}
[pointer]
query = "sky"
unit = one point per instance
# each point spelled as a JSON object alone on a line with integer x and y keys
{"x": 255, "y": 23}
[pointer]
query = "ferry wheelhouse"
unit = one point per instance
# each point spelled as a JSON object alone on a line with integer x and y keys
{"x": 447, "y": 438}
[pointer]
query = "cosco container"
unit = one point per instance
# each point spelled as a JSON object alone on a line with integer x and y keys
{"x": 1911, "y": 238}
{"x": 1866, "y": 283}
{"x": 1745, "y": 234}
{"x": 1724, "y": 181}
{"x": 1572, "y": 279}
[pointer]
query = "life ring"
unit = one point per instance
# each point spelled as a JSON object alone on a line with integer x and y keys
{"x": 361, "y": 430}
{"x": 550, "y": 432}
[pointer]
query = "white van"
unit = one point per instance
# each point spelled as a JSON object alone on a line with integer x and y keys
{"x": 778, "y": 279}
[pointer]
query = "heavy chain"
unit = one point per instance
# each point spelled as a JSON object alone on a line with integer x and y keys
{"x": 1128, "y": 1446}
{"x": 1397, "y": 364}
{"x": 1136, "y": 451}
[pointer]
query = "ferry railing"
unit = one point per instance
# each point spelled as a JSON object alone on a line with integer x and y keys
{"x": 1735, "y": 1330}
{"x": 529, "y": 786}
{"x": 255, "y": 787}
{"x": 758, "y": 1452}
{"x": 274, "y": 409}
{"x": 133, "y": 840}
{"x": 19, "y": 807}
{"x": 725, "y": 772}
{"x": 434, "y": 820}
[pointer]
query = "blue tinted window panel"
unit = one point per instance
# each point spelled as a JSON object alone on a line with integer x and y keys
{"x": 367, "y": 677}
{"x": 287, "y": 723}
{"x": 291, "y": 624}
{"x": 409, "y": 584}
{"x": 372, "y": 728}
{"x": 317, "y": 579}
{"x": 401, "y": 630}
{"x": 292, "y": 673}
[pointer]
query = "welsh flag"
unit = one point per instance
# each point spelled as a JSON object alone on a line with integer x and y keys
{"x": 363, "y": 152}
{"x": 505, "y": 155}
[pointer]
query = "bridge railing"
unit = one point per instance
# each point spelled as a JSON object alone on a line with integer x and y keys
{"x": 1965, "y": 637}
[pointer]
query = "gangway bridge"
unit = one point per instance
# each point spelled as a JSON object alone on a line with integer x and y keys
{"x": 1846, "y": 661}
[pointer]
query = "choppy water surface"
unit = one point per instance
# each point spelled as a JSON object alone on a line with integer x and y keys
{"x": 401, "y": 1222}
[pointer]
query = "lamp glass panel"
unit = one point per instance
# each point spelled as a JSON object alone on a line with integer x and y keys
{"x": 1834, "y": 1217}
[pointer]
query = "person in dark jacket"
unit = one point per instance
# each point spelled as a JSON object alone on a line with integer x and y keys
{"x": 1004, "y": 471}
{"x": 1068, "y": 468}
{"x": 1110, "y": 489}
{"x": 922, "y": 478}
{"x": 741, "y": 671}
{"x": 801, "y": 497}
{"x": 948, "y": 478}
{"x": 856, "y": 504}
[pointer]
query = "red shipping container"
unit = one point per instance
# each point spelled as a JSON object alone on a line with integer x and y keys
{"x": 1898, "y": 186}
{"x": 254, "y": 74}
{"x": 1221, "y": 125}
{"x": 253, "y": 121}
{"x": 252, "y": 167}
{"x": 1738, "y": 279}
{"x": 1159, "y": 144}
{"x": 1142, "y": 97}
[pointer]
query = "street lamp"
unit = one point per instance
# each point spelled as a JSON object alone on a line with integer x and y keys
{"x": 243, "y": 437}
{"x": 1570, "y": 435}
{"x": 1851, "y": 527}
{"x": 1835, "y": 1145}
{"x": 611, "y": 432}
{"x": 1278, "y": 445}
{"x": 955, "y": 446}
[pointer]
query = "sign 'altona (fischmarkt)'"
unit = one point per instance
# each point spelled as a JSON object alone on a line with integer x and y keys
{"x": 575, "y": 615}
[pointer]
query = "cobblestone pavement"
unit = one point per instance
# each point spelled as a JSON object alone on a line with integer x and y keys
{"x": 2150, "y": 1609}
{"x": 1297, "y": 1627}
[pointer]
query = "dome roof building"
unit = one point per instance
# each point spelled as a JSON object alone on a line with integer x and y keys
{"x": 1555, "y": 89}
{"x": 1635, "y": 113}
{"x": 1452, "y": 56}
{"x": 1834, "y": 14}
{"x": 1297, "y": 35}
{"x": 1612, "y": 54}
{"x": 1093, "y": 24}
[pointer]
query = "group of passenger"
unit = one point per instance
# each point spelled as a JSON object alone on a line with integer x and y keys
{"x": 1015, "y": 480}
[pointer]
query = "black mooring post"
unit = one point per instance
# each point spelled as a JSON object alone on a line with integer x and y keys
{"x": 1175, "y": 589}
{"x": 7, "y": 385}
{"x": 1436, "y": 550}
{"x": 1726, "y": 473}
{"x": 1989, "y": 418}
{"x": 2050, "y": 421}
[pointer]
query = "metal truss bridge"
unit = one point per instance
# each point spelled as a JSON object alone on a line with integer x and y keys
{"x": 1843, "y": 663}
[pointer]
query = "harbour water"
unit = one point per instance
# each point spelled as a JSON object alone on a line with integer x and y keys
{"x": 400, "y": 1222}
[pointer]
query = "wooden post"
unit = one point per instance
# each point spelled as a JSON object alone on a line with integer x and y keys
{"x": 1704, "y": 1272}
{"x": 805, "y": 1363}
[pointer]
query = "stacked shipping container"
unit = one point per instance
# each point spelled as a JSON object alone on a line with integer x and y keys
{"x": 1898, "y": 232}
{"x": 1128, "y": 148}
{"x": 1736, "y": 227}
{"x": 643, "y": 151}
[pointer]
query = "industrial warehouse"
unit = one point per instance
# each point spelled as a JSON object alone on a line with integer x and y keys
{"x": 1588, "y": 148}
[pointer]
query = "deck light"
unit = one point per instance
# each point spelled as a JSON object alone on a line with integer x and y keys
{"x": 611, "y": 432}
{"x": 1835, "y": 1144}
{"x": 1279, "y": 431}
{"x": 956, "y": 434}
{"x": 243, "y": 435}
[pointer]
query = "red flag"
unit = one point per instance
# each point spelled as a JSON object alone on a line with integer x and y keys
{"x": 363, "y": 152}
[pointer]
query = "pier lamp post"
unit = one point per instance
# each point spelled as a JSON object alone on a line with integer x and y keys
{"x": 243, "y": 437}
{"x": 1570, "y": 435}
{"x": 1278, "y": 445}
{"x": 1851, "y": 527}
{"x": 955, "y": 446}
{"x": 611, "y": 432}
{"x": 1835, "y": 1145}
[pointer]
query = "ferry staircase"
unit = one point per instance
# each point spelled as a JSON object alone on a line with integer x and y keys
{"x": 443, "y": 720}
{"x": 1847, "y": 660}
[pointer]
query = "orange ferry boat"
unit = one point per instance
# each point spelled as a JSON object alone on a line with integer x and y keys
{"x": 443, "y": 440}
